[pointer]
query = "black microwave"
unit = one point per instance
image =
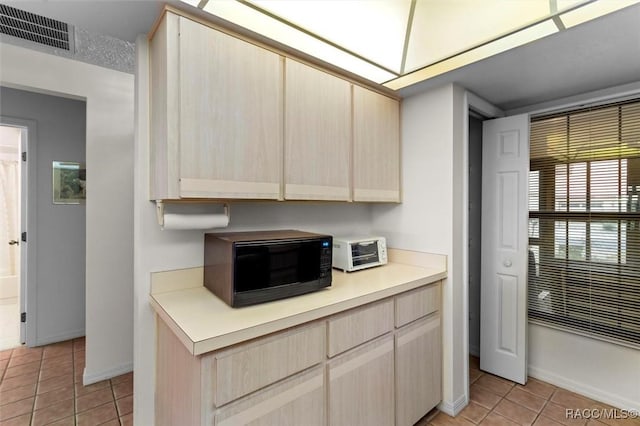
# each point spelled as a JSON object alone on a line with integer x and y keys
{"x": 245, "y": 268}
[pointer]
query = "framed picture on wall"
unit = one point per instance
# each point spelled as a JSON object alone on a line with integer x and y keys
{"x": 69, "y": 182}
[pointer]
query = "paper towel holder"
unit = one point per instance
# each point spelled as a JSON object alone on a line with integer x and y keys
{"x": 160, "y": 211}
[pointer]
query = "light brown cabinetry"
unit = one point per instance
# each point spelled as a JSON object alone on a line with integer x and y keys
{"x": 350, "y": 368}
{"x": 376, "y": 146}
{"x": 358, "y": 326}
{"x": 233, "y": 118}
{"x": 361, "y": 386}
{"x": 296, "y": 401}
{"x": 418, "y": 370}
{"x": 216, "y": 107}
{"x": 317, "y": 134}
{"x": 240, "y": 370}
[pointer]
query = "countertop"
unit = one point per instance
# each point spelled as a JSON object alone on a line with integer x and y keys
{"x": 205, "y": 323}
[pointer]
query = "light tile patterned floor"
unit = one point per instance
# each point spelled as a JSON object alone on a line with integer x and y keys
{"x": 499, "y": 402}
{"x": 40, "y": 386}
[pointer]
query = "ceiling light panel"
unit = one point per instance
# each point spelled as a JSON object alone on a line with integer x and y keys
{"x": 593, "y": 10}
{"x": 374, "y": 29}
{"x": 442, "y": 29}
{"x": 495, "y": 47}
{"x": 267, "y": 26}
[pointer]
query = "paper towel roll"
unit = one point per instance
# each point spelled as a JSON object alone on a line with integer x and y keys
{"x": 194, "y": 221}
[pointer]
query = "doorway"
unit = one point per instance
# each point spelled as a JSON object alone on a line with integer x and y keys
{"x": 475, "y": 229}
{"x": 10, "y": 234}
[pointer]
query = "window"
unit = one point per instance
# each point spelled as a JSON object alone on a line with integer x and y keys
{"x": 584, "y": 221}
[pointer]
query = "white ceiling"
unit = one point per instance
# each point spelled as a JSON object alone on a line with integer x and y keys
{"x": 598, "y": 54}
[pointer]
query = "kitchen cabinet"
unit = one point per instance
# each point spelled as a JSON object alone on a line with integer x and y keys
{"x": 376, "y": 146}
{"x": 418, "y": 370}
{"x": 235, "y": 118}
{"x": 296, "y": 401}
{"x": 216, "y": 113}
{"x": 317, "y": 134}
{"x": 361, "y": 386}
{"x": 357, "y": 326}
{"x": 359, "y": 366}
{"x": 243, "y": 369}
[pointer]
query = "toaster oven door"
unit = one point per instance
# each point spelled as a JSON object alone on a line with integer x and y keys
{"x": 365, "y": 253}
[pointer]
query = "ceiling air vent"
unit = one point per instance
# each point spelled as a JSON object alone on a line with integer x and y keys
{"x": 35, "y": 28}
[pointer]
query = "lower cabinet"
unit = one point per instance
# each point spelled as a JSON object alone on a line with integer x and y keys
{"x": 361, "y": 386}
{"x": 352, "y": 368}
{"x": 294, "y": 402}
{"x": 418, "y": 370}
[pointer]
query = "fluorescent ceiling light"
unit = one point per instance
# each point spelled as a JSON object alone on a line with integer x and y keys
{"x": 274, "y": 29}
{"x": 593, "y": 10}
{"x": 373, "y": 29}
{"x": 401, "y": 42}
{"x": 493, "y": 48}
{"x": 442, "y": 29}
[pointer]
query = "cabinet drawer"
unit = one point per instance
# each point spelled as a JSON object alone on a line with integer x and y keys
{"x": 296, "y": 401}
{"x": 417, "y": 303}
{"x": 361, "y": 325}
{"x": 248, "y": 367}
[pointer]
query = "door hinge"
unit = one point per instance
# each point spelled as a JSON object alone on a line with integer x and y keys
{"x": 23, "y": 317}
{"x": 24, "y": 237}
{"x": 24, "y": 156}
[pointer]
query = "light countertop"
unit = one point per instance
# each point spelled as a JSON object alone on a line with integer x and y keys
{"x": 205, "y": 323}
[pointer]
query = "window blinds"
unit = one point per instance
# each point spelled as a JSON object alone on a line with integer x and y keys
{"x": 584, "y": 221}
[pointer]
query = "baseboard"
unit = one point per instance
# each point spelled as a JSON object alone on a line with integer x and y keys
{"x": 453, "y": 409}
{"x": 583, "y": 389}
{"x": 47, "y": 340}
{"x": 88, "y": 379}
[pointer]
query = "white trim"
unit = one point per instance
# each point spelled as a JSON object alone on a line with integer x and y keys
{"x": 476, "y": 103}
{"x": 453, "y": 409}
{"x": 616, "y": 93}
{"x": 583, "y": 389}
{"x": 88, "y": 379}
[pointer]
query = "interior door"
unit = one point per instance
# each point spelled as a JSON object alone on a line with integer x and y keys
{"x": 503, "y": 318}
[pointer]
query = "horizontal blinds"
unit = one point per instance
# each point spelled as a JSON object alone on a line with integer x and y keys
{"x": 584, "y": 221}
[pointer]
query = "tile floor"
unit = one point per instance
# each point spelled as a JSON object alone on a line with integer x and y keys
{"x": 40, "y": 386}
{"x": 499, "y": 402}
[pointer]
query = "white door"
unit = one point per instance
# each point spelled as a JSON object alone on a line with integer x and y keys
{"x": 503, "y": 313}
{"x": 10, "y": 249}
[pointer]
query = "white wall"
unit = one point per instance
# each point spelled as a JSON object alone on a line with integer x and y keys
{"x": 58, "y": 278}
{"x": 431, "y": 122}
{"x": 600, "y": 370}
{"x": 157, "y": 250}
{"x": 109, "y": 228}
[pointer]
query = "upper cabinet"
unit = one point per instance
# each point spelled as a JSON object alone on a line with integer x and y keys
{"x": 216, "y": 113}
{"x": 317, "y": 134}
{"x": 231, "y": 119}
{"x": 376, "y": 147}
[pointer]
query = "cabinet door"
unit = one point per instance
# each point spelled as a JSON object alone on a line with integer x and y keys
{"x": 296, "y": 401}
{"x": 418, "y": 370}
{"x": 376, "y": 146}
{"x": 230, "y": 116}
{"x": 361, "y": 386}
{"x": 317, "y": 134}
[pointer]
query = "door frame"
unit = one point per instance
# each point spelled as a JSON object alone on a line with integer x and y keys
{"x": 487, "y": 110}
{"x": 28, "y": 201}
